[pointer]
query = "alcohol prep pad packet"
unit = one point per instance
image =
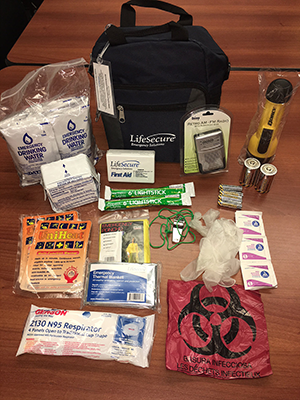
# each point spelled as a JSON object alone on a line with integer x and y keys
{"x": 258, "y": 275}
{"x": 123, "y": 285}
{"x": 95, "y": 335}
{"x": 250, "y": 222}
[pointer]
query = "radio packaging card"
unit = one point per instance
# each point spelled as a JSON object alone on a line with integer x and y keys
{"x": 205, "y": 134}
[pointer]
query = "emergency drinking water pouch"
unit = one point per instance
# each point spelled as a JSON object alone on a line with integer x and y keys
{"x": 71, "y": 123}
{"x": 222, "y": 334}
{"x": 46, "y": 117}
{"x": 100, "y": 336}
{"x": 31, "y": 143}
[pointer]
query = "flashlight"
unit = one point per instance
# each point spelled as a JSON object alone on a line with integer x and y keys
{"x": 263, "y": 143}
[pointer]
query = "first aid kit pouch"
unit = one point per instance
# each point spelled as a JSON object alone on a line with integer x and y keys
{"x": 147, "y": 78}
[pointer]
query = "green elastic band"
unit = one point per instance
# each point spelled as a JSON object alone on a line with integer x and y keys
{"x": 166, "y": 227}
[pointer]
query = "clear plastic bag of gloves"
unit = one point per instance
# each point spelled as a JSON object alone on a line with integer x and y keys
{"x": 218, "y": 248}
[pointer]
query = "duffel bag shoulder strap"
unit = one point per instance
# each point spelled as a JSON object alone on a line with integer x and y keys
{"x": 128, "y": 12}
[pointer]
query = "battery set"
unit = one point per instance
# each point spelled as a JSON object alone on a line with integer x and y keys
{"x": 257, "y": 175}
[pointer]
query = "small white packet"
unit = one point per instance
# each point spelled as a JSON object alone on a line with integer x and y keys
{"x": 250, "y": 222}
{"x": 258, "y": 275}
{"x": 254, "y": 248}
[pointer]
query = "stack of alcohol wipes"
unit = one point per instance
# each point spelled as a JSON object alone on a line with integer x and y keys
{"x": 257, "y": 268}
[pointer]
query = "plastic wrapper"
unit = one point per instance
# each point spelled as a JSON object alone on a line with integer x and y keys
{"x": 145, "y": 192}
{"x": 174, "y": 228}
{"x": 276, "y": 91}
{"x": 70, "y": 183}
{"x": 218, "y": 249}
{"x": 52, "y": 255}
{"x": 46, "y": 117}
{"x": 222, "y": 334}
{"x": 123, "y": 285}
{"x": 182, "y": 199}
{"x": 124, "y": 237}
{"x": 95, "y": 335}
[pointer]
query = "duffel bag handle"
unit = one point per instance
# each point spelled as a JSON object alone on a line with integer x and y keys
{"x": 116, "y": 36}
{"x": 128, "y": 12}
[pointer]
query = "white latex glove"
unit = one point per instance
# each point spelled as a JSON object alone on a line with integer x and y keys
{"x": 218, "y": 249}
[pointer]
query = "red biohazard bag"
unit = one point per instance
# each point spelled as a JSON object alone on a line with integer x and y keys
{"x": 222, "y": 334}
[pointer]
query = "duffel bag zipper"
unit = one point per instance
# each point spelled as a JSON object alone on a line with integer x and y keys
{"x": 121, "y": 114}
{"x": 154, "y": 107}
{"x": 147, "y": 107}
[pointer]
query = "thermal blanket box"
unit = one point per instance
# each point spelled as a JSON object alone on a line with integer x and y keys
{"x": 70, "y": 183}
{"x": 157, "y": 74}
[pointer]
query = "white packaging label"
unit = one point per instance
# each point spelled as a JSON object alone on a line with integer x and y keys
{"x": 103, "y": 88}
{"x": 100, "y": 336}
{"x": 126, "y": 284}
{"x": 111, "y": 247}
{"x": 131, "y": 166}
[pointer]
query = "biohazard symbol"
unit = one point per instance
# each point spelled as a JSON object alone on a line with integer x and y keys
{"x": 233, "y": 310}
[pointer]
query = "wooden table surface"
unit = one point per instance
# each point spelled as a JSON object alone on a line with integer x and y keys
{"x": 33, "y": 377}
{"x": 253, "y": 34}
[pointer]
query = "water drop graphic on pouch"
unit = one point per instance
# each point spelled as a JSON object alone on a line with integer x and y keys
{"x": 71, "y": 125}
{"x": 27, "y": 139}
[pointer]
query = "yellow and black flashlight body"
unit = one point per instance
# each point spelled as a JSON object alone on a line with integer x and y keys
{"x": 263, "y": 143}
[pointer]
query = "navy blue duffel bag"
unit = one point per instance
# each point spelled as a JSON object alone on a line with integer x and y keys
{"x": 159, "y": 73}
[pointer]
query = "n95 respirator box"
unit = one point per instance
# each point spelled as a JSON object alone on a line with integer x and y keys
{"x": 130, "y": 166}
{"x": 70, "y": 183}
